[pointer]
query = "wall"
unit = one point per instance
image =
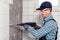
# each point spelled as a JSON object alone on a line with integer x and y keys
{"x": 15, "y": 17}
{"x": 4, "y": 19}
{"x": 7, "y": 1}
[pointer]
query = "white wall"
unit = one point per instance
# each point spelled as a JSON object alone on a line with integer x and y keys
{"x": 4, "y": 19}
{"x": 7, "y": 1}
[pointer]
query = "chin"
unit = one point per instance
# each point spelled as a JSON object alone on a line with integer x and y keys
{"x": 43, "y": 16}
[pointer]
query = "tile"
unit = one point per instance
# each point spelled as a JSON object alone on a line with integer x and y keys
{"x": 25, "y": 11}
{"x": 54, "y": 13}
{"x": 31, "y": 11}
{"x": 28, "y": 11}
{"x": 31, "y": 18}
{"x": 25, "y": 3}
{"x": 37, "y": 4}
{"x": 28, "y": 3}
{"x": 31, "y": 3}
{"x": 25, "y": 19}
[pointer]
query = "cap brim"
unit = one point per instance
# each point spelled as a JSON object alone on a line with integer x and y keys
{"x": 38, "y": 9}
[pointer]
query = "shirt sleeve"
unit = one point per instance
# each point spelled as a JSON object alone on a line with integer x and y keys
{"x": 43, "y": 30}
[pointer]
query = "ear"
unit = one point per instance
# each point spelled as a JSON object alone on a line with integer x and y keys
{"x": 50, "y": 9}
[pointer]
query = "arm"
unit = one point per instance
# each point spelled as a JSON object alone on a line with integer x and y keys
{"x": 43, "y": 30}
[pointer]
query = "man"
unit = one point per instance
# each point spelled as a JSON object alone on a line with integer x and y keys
{"x": 49, "y": 27}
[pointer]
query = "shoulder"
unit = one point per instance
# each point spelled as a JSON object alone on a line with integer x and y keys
{"x": 52, "y": 22}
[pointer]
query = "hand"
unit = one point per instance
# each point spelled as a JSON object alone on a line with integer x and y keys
{"x": 26, "y": 26}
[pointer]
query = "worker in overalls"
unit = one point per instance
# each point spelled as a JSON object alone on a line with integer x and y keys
{"x": 49, "y": 28}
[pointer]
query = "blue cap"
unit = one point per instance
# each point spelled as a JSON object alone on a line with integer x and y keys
{"x": 44, "y": 5}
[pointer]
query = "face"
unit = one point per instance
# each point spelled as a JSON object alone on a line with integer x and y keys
{"x": 45, "y": 12}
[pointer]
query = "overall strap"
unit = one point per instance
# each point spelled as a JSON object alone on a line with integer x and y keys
{"x": 49, "y": 20}
{"x": 57, "y": 27}
{"x": 44, "y": 37}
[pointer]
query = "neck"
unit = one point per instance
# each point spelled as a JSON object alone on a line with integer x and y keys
{"x": 47, "y": 16}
